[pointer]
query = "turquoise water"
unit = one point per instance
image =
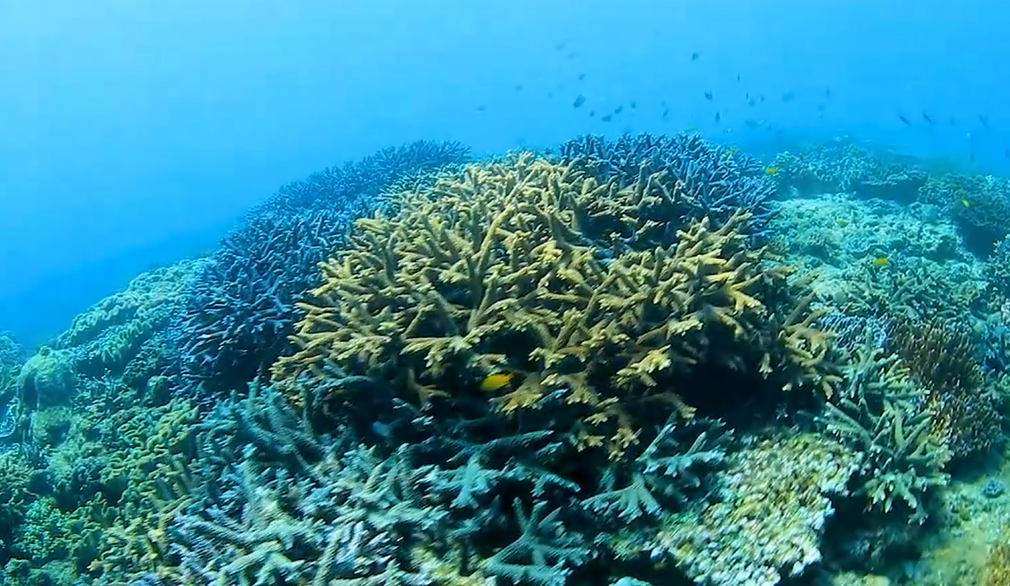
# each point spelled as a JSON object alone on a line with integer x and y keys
{"x": 524, "y": 293}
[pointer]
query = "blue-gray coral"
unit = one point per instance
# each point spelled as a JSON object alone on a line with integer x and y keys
{"x": 712, "y": 180}
{"x": 240, "y": 308}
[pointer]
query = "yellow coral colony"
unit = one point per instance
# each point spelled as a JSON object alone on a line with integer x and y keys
{"x": 510, "y": 266}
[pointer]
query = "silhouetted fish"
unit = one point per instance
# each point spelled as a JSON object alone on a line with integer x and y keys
{"x": 519, "y": 87}
{"x": 738, "y": 77}
{"x": 718, "y": 116}
{"x": 582, "y": 76}
{"x": 926, "y": 117}
{"x": 579, "y": 100}
{"x": 984, "y": 119}
{"x": 695, "y": 56}
{"x": 607, "y": 118}
{"x": 708, "y": 95}
{"x": 592, "y": 113}
{"x": 481, "y": 108}
{"x": 827, "y": 93}
{"x": 905, "y": 120}
{"x": 618, "y": 109}
{"x": 788, "y": 96}
{"x": 633, "y": 105}
{"x": 666, "y": 112}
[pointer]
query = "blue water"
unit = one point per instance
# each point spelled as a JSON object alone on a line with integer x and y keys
{"x": 152, "y": 156}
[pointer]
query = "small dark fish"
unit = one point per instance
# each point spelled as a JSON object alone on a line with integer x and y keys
{"x": 695, "y": 56}
{"x": 572, "y": 56}
{"x": 618, "y": 109}
{"x": 592, "y": 113}
{"x": 751, "y": 103}
{"x": 820, "y": 108}
{"x": 582, "y": 76}
{"x": 607, "y": 118}
{"x": 633, "y": 105}
{"x": 761, "y": 99}
{"x": 788, "y": 97}
{"x": 560, "y": 46}
{"x": 708, "y": 95}
{"x": 579, "y": 101}
{"x": 519, "y": 87}
{"x": 481, "y": 108}
{"x": 905, "y": 120}
{"x": 662, "y": 103}
{"x": 953, "y": 121}
{"x": 752, "y": 123}
{"x": 926, "y": 117}
{"x": 666, "y": 112}
{"x": 827, "y": 93}
{"x": 550, "y": 94}
{"x": 984, "y": 119}
{"x": 738, "y": 77}
{"x": 718, "y": 116}
{"x": 626, "y": 130}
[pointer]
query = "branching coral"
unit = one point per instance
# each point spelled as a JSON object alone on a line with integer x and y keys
{"x": 239, "y": 309}
{"x": 499, "y": 271}
{"x": 715, "y": 181}
{"x": 879, "y": 414}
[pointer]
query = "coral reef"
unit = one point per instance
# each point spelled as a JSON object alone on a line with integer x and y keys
{"x": 499, "y": 271}
{"x": 622, "y": 363}
{"x": 849, "y": 168}
{"x": 978, "y": 204}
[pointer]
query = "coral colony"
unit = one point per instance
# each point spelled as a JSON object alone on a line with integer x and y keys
{"x": 642, "y": 361}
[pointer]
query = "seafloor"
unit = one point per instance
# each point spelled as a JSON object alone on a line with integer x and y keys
{"x": 653, "y": 360}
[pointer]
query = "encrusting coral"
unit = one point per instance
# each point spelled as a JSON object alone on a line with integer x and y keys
{"x": 510, "y": 268}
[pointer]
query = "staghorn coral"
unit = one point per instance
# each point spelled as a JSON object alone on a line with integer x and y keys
{"x": 879, "y": 414}
{"x": 239, "y": 309}
{"x": 940, "y": 358}
{"x": 499, "y": 271}
{"x": 667, "y": 471}
{"x": 716, "y": 181}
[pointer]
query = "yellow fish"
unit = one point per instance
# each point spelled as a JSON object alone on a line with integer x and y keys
{"x": 496, "y": 382}
{"x": 881, "y": 261}
{"x": 965, "y": 203}
{"x": 732, "y": 150}
{"x": 772, "y": 171}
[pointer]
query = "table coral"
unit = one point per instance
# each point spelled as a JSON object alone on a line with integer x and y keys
{"x": 504, "y": 269}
